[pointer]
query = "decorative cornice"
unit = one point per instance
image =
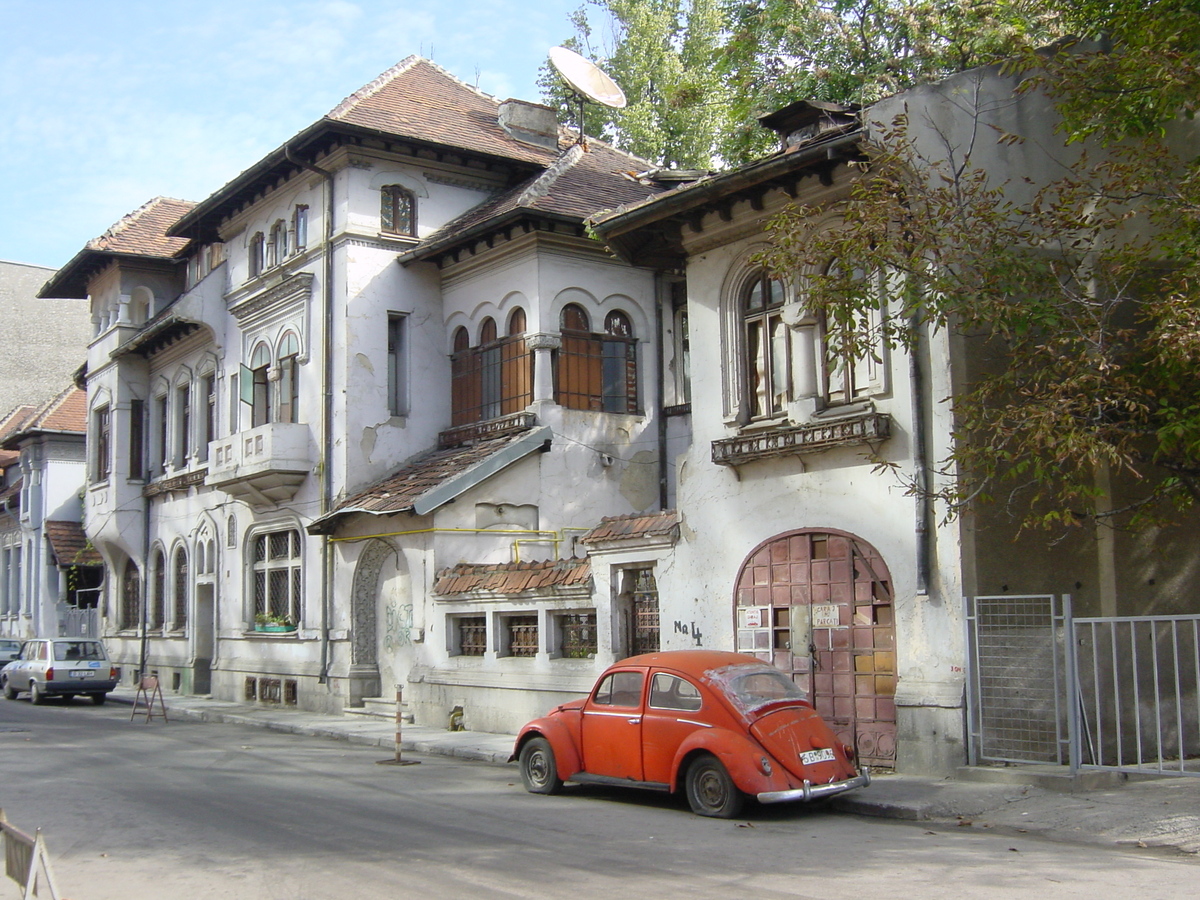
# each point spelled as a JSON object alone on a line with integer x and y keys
{"x": 468, "y": 183}
{"x": 292, "y": 289}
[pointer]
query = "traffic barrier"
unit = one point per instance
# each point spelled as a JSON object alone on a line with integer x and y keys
{"x": 26, "y": 860}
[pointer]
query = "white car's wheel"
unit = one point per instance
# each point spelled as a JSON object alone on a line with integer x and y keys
{"x": 36, "y": 697}
{"x": 10, "y": 692}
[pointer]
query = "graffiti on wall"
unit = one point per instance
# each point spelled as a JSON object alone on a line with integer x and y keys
{"x": 691, "y": 630}
{"x": 397, "y": 625}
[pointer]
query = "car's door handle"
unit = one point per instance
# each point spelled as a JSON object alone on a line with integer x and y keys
{"x": 634, "y": 721}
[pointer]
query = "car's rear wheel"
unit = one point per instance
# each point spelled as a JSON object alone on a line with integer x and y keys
{"x": 10, "y": 693}
{"x": 710, "y": 790}
{"x": 539, "y": 771}
{"x": 99, "y": 699}
{"x": 36, "y": 697}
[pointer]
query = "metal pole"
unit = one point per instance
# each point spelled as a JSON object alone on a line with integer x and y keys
{"x": 399, "y": 759}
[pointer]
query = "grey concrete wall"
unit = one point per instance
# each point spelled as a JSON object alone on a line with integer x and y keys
{"x": 44, "y": 340}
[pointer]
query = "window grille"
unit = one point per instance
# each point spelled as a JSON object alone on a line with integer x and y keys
{"x": 181, "y": 590}
{"x": 472, "y": 635}
{"x": 578, "y": 635}
{"x": 398, "y": 210}
{"x": 277, "y": 575}
{"x": 522, "y": 635}
{"x": 290, "y": 692}
{"x": 251, "y": 690}
{"x": 131, "y": 597}
{"x": 270, "y": 690}
{"x": 159, "y": 600}
{"x": 645, "y": 611}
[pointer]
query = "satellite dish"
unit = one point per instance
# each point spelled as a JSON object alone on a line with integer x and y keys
{"x": 586, "y": 78}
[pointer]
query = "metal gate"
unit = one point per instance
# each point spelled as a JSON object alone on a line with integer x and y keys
{"x": 1016, "y": 679}
{"x": 1123, "y": 693}
{"x": 1137, "y": 680}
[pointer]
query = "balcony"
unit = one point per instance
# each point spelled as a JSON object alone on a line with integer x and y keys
{"x": 263, "y": 466}
{"x": 798, "y": 439}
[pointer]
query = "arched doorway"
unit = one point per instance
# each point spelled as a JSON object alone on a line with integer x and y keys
{"x": 818, "y": 605}
{"x": 364, "y": 659}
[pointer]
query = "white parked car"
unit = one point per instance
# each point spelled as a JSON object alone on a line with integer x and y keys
{"x": 60, "y": 667}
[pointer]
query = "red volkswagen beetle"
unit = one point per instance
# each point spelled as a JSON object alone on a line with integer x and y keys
{"x": 719, "y": 726}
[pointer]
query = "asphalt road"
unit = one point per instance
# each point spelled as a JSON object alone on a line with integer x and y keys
{"x": 136, "y": 811}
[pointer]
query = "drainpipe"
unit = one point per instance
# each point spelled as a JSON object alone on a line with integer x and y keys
{"x": 326, "y": 405}
{"x": 660, "y": 381}
{"x": 145, "y": 573}
{"x": 920, "y": 452}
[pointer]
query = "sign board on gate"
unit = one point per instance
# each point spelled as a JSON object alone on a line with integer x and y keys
{"x": 825, "y": 615}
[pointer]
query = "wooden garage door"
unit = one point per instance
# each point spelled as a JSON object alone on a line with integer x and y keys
{"x": 818, "y": 605}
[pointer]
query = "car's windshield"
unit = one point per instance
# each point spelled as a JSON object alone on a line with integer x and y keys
{"x": 81, "y": 650}
{"x": 750, "y": 687}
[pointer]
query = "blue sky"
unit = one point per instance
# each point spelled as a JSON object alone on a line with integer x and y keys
{"x": 105, "y": 104}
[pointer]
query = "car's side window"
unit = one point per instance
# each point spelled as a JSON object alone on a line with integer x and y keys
{"x": 39, "y": 650}
{"x": 671, "y": 692}
{"x": 619, "y": 689}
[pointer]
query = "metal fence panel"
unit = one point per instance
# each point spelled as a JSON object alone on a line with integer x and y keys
{"x": 1138, "y": 682}
{"x": 1015, "y": 653}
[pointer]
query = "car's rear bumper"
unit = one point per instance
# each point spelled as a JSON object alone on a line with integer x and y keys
{"x": 816, "y": 791}
{"x": 53, "y": 688}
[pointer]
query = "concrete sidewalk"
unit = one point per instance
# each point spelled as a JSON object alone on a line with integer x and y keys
{"x": 1162, "y": 813}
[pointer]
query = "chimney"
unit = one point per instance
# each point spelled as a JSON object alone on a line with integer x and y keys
{"x": 807, "y": 120}
{"x": 531, "y": 123}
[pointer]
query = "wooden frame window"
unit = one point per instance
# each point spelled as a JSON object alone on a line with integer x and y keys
{"x": 158, "y": 584}
{"x": 277, "y": 575}
{"x": 179, "y": 622}
{"x": 289, "y": 378}
{"x": 258, "y": 254}
{"x": 397, "y": 210}
{"x": 102, "y": 430}
{"x": 596, "y": 371}
{"x": 260, "y": 365}
{"x": 397, "y": 365}
{"x": 494, "y": 378}
{"x": 137, "y": 438}
{"x": 765, "y": 363}
{"x": 131, "y": 597}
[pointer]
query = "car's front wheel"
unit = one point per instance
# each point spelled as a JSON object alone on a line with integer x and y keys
{"x": 10, "y": 693}
{"x": 539, "y": 771}
{"x": 710, "y": 790}
{"x": 99, "y": 699}
{"x": 36, "y": 697}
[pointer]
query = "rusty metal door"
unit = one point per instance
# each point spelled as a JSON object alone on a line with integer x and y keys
{"x": 818, "y": 605}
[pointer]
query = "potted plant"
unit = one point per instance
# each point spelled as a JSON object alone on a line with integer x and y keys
{"x": 273, "y": 623}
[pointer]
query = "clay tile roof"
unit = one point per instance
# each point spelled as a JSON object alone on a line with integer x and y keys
{"x": 612, "y": 528}
{"x": 144, "y": 231}
{"x": 70, "y": 544}
{"x": 578, "y": 185}
{"x": 9, "y": 426}
{"x": 65, "y": 413}
{"x": 419, "y": 99}
{"x": 425, "y": 474}
{"x": 513, "y": 578}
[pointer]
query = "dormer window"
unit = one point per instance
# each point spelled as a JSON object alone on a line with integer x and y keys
{"x": 398, "y": 211}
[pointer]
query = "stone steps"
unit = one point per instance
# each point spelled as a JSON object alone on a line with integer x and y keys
{"x": 380, "y": 708}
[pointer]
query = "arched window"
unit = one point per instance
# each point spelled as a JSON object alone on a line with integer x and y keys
{"x": 181, "y": 590}
{"x": 849, "y": 373}
{"x": 289, "y": 378}
{"x": 258, "y": 258}
{"x": 398, "y": 210}
{"x": 494, "y": 378}
{"x": 764, "y": 347}
{"x": 277, "y": 576}
{"x": 131, "y": 597}
{"x": 277, "y": 244}
{"x": 158, "y": 602}
{"x": 260, "y": 365}
{"x": 596, "y": 372}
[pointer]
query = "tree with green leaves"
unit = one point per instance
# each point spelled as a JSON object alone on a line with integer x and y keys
{"x": 661, "y": 53}
{"x": 1083, "y": 295}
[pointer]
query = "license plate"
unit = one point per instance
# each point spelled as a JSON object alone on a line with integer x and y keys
{"x": 82, "y": 673}
{"x": 808, "y": 757}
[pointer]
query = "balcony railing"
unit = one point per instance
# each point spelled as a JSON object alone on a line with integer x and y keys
{"x": 796, "y": 439}
{"x": 263, "y": 466}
